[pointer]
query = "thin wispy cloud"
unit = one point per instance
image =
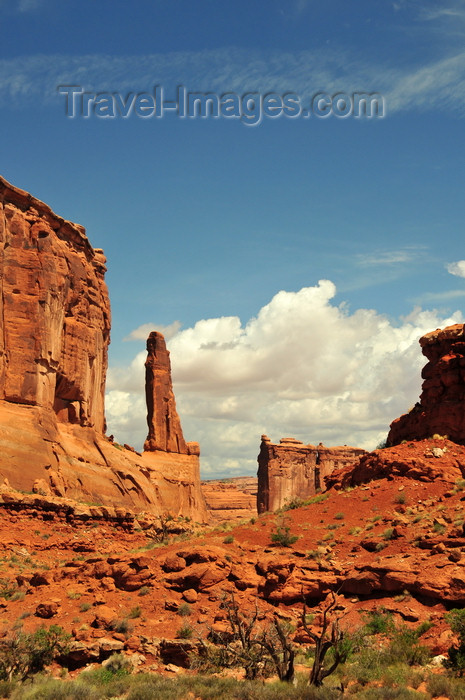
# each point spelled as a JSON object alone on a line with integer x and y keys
{"x": 21, "y": 6}
{"x": 390, "y": 257}
{"x": 439, "y": 297}
{"x": 439, "y": 83}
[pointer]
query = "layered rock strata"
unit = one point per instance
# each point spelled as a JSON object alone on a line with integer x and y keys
{"x": 231, "y": 499}
{"x": 292, "y": 470}
{"x": 54, "y": 335}
{"x": 441, "y": 409}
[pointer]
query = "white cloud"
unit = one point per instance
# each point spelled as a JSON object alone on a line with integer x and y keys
{"x": 302, "y": 367}
{"x": 456, "y": 268}
{"x": 143, "y": 331}
{"x": 392, "y": 257}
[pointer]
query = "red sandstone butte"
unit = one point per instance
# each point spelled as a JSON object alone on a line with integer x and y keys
{"x": 54, "y": 335}
{"x": 292, "y": 470}
{"x": 441, "y": 409}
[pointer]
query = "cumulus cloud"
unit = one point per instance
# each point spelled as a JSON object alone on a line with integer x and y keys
{"x": 303, "y": 367}
{"x": 456, "y": 268}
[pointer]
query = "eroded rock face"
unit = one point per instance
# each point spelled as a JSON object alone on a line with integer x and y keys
{"x": 231, "y": 499}
{"x": 441, "y": 409}
{"x": 293, "y": 470}
{"x": 165, "y": 432}
{"x": 55, "y": 312}
{"x": 55, "y": 327}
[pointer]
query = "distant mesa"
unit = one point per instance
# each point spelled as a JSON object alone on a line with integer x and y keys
{"x": 292, "y": 470}
{"x": 55, "y": 331}
{"x": 441, "y": 409}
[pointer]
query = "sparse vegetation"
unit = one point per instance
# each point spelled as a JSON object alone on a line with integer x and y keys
{"x": 23, "y": 654}
{"x": 135, "y": 612}
{"x": 456, "y": 653}
{"x": 282, "y": 536}
{"x": 186, "y": 631}
{"x": 184, "y": 610}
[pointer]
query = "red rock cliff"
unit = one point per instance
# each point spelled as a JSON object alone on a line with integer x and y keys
{"x": 293, "y": 470}
{"x": 54, "y": 335}
{"x": 54, "y": 310}
{"x": 441, "y": 408}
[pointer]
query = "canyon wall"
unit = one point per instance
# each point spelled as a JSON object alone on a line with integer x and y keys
{"x": 292, "y": 470}
{"x": 441, "y": 409}
{"x": 54, "y": 336}
{"x": 233, "y": 499}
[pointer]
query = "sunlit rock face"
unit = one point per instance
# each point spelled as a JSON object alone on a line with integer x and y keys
{"x": 54, "y": 336}
{"x": 292, "y": 470}
{"x": 55, "y": 312}
{"x": 441, "y": 409}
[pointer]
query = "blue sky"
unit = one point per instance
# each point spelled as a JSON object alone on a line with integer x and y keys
{"x": 213, "y": 229}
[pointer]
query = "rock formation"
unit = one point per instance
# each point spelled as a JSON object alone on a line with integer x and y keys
{"x": 441, "y": 409}
{"x": 165, "y": 432}
{"x": 231, "y": 499}
{"x": 293, "y": 470}
{"x": 55, "y": 328}
{"x": 55, "y": 312}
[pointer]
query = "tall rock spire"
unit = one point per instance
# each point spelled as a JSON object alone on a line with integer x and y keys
{"x": 165, "y": 432}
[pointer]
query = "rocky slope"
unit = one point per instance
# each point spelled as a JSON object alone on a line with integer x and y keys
{"x": 396, "y": 542}
{"x": 55, "y": 325}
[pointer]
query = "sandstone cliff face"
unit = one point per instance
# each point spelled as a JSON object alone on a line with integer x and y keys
{"x": 54, "y": 335}
{"x": 441, "y": 409}
{"x": 293, "y": 470}
{"x": 54, "y": 310}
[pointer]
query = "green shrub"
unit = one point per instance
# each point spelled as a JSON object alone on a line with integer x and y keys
{"x": 136, "y": 611}
{"x": 145, "y": 590}
{"x": 23, "y": 654}
{"x": 401, "y": 498}
{"x": 339, "y": 516}
{"x": 378, "y": 621}
{"x": 121, "y": 625}
{"x": 84, "y": 607}
{"x": 184, "y": 610}
{"x": 229, "y": 539}
{"x": 440, "y": 685}
{"x": 283, "y": 537}
{"x": 456, "y": 661}
{"x": 405, "y": 647}
{"x": 186, "y": 631}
